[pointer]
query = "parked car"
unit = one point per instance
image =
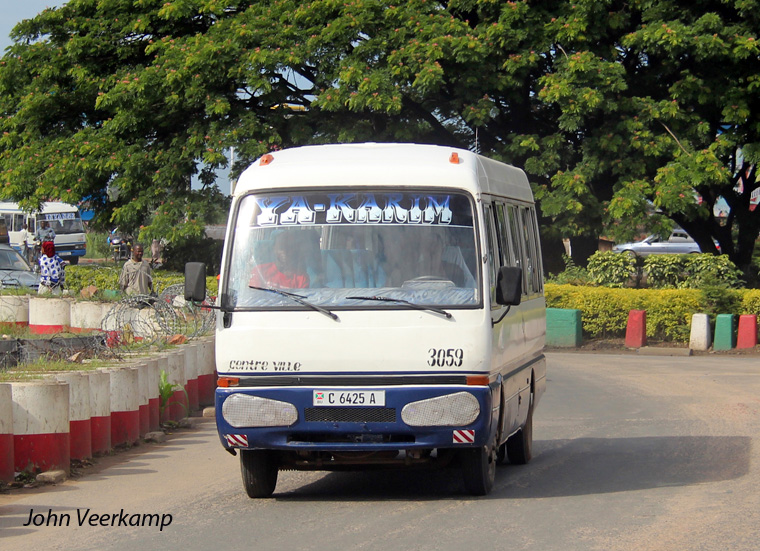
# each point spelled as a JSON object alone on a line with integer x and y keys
{"x": 679, "y": 242}
{"x": 15, "y": 271}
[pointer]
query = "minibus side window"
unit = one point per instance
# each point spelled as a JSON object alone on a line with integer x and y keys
{"x": 505, "y": 239}
{"x": 492, "y": 262}
{"x": 18, "y": 221}
{"x": 519, "y": 245}
{"x": 530, "y": 254}
{"x": 532, "y": 227}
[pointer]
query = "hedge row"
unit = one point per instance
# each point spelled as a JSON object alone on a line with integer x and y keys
{"x": 107, "y": 278}
{"x": 604, "y": 310}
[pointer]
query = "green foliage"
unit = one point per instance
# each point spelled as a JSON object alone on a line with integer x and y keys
{"x": 604, "y": 311}
{"x": 201, "y": 249}
{"x": 166, "y": 392}
{"x": 611, "y": 269}
{"x": 710, "y": 270}
{"x": 750, "y": 302}
{"x": 686, "y": 271}
{"x": 691, "y": 271}
{"x": 717, "y": 299}
{"x": 79, "y": 277}
{"x": 572, "y": 274}
{"x": 97, "y": 245}
{"x": 666, "y": 270}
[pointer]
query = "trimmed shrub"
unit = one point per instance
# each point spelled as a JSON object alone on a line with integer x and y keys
{"x": 750, "y": 302}
{"x": 604, "y": 311}
{"x": 611, "y": 269}
{"x": 572, "y": 274}
{"x": 107, "y": 278}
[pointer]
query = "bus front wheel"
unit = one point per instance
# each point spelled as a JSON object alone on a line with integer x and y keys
{"x": 259, "y": 470}
{"x": 479, "y": 470}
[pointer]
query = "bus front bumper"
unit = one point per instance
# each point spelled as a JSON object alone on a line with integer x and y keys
{"x": 410, "y": 418}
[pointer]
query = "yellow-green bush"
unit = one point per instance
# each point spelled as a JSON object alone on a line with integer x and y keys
{"x": 604, "y": 310}
{"x": 750, "y": 302}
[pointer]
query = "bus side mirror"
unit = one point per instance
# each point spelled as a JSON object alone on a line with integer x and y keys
{"x": 195, "y": 281}
{"x": 509, "y": 286}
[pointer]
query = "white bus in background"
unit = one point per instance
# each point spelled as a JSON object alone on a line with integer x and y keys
{"x": 65, "y": 219}
{"x": 381, "y": 305}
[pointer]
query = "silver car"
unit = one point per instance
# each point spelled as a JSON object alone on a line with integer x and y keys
{"x": 14, "y": 270}
{"x": 679, "y": 242}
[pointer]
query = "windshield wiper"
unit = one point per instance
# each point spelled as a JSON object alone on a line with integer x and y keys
{"x": 402, "y": 301}
{"x": 299, "y": 299}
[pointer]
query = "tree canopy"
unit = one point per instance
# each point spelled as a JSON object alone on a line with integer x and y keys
{"x": 613, "y": 107}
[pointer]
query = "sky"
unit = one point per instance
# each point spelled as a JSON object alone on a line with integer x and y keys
{"x": 15, "y": 11}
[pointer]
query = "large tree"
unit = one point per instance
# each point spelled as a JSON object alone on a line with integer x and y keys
{"x": 613, "y": 107}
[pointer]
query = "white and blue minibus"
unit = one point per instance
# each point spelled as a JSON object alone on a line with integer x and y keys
{"x": 65, "y": 219}
{"x": 380, "y": 305}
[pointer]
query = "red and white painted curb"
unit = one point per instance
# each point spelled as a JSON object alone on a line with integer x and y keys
{"x": 14, "y": 310}
{"x": 175, "y": 375}
{"x": 49, "y": 315}
{"x": 41, "y": 426}
{"x": 100, "y": 410}
{"x": 77, "y": 414}
{"x": 143, "y": 382}
{"x": 80, "y": 416}
{"x": 125, "y": 405}
{"x": 191, "y": 373}
{"x": 154, "y": 400}
{"x": 86, "y": 315}
{"x": 6, "y": 433}
{"x": 206, "y": 371}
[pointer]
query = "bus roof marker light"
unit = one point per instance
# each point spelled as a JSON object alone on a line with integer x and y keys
{"x": 454, "y": 159}
{"x": 266, "y": 159}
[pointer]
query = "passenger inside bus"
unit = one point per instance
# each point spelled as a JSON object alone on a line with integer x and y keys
{"x": 287, "y": 271}
{"x": 399, "y": 248}
{"x": 321, "y": 267}
{"x": 433, "y": 264}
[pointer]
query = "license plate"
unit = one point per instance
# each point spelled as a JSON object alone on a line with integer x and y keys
{"x": 349, "y": 398}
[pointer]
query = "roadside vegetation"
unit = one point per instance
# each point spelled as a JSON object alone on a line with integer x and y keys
{"x": 671, "y": 288}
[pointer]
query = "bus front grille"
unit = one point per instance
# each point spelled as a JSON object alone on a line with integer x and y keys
{"x": 350, "y": 415}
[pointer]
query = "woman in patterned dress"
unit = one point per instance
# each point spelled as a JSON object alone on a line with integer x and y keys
{"x": 52, "y": 273}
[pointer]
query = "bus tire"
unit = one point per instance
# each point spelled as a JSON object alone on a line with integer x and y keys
{"x": 479, "y": 470}
{"x": 74, "y": 260}
{"x": 259, "y": 470}
{"x": 520, "y": 444}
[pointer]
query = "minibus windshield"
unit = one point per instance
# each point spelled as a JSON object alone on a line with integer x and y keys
{"x": 339, "y": 249}
{"x": 63, "y": 223}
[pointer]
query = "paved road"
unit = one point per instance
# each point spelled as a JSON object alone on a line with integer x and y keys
{"x": 632, "y": 453}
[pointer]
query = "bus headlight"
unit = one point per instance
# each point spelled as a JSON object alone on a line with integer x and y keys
{"x": 242, "y": 410}
{"x": 459, "y": 409}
